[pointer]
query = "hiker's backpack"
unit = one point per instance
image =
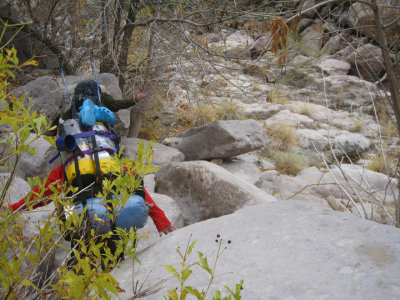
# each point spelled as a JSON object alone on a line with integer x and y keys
{"x": 87, "y": 146}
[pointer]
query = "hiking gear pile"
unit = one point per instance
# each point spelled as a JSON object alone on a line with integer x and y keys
{"x": 87, "y": 146}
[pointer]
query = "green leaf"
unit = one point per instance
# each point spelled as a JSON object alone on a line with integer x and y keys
{"x": 191, "y": 247}
{"x": 185, "y": 274}
{"x": 203, "y": 263}
{"x": 173, "y": 295}
{"x": 194, "y": 292}
{"x": 172, "y": 270}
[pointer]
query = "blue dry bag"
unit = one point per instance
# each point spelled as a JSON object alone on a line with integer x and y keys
{"x": 133, "y": 214}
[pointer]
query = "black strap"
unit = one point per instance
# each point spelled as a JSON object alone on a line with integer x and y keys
{"x": 97, "y": 161}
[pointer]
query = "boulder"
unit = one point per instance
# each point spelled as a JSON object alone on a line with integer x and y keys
{"x": 18, "y": 189}
{"x": 334, "y": 67}
{"x": 245, "y": 170}
{"x": 311, "y": 40}
{"x": 282, "y": 250}
{"x": 334, "y": 45}
{"x": 377, "y": 191}
{"x": 373, "y": 183}
{"x": 149, "y": 183}
{"x": 37, "y": 164}
{"x": 342, "y": 142}
{"x": 261, "y": 45}
{"x": 361, "y": 17}
{"x": 162, "y": 154}
{"x": 262, "y": 111}
{"x": 306, "y": 5}
{"x": 285, "y": 187}
{"x": 220, "y": 139}
{"x": 353, "y": 122}
{"x": 288, "y": 118}
{"x": 204, "y": 190}
{"x": 367, "y": 62}
{"x": 43, "y": 95}
{"x": 236, "y": 44}
{"x": 345, "y": 92}
{"x": 304, "y": 23}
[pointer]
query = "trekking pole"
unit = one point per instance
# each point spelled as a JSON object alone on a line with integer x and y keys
{"x": 66, "y": 87}
{"x": 97, "y": 80}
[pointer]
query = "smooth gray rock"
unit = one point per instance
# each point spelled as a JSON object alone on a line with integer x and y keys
{"x": 220, "y": 139}
{"x": 367, "y": 62}
{"x": 311, "y": 40}
{"x": 261, "y": 45}
{"x": 335, "y": 67}
{"x": 162, "y": 154}
{"x": 306, "y": 5}
{"x": 341, "y": 141}
{"x": 149, "y": 183}
{"x": 282, "y": 250}
{"x": 38, "y": 164}
{"x": 245, "y": 170}
{"x": 45, "y": 96}
{"x": 205, "y": 190}
{"x": 18, "y": 189}
{"x": 236, "y": 44}
{"x": 172, "y": 212}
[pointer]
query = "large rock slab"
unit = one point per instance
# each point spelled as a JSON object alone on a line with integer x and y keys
{"x": 205, "y": 190}
{"x": 162, "y": 154}
{"x": 220, "y": 139}
{"x": 172, "y": 212}
{"x": 361, "y": 17}
{"x": 282, "y": 250}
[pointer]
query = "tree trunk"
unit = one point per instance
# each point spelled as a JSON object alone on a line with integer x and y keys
{"x": 127, "y": 30}
{"x": 393, "y": 82}
{"x": 138, "y": 111}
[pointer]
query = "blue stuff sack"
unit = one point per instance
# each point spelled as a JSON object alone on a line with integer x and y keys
{"x": 133, "y": 214}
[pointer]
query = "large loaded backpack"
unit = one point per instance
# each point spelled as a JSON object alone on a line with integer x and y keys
{"x": 86, "y": 146}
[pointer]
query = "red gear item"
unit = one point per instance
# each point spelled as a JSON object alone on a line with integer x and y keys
{"x": 56, "y": 178}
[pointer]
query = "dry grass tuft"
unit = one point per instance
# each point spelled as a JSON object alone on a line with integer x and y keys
{"x": 277, "y": 96}
{"x": 358, "y": 126}
{"x": 307, "y": 110}
{"x": 285, "y": 136}
{"x": 195, "y": 116}
{"x": 389, "y": 129}
{"x": 229, "y": 111}
{"x": 377, "y": 164}
{"x": 289, "y": 163}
